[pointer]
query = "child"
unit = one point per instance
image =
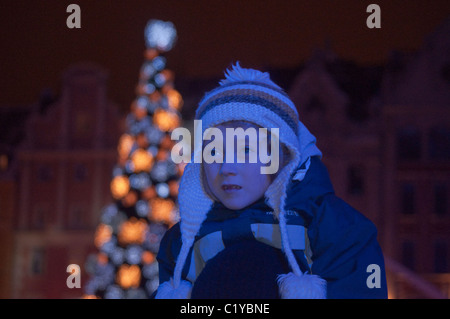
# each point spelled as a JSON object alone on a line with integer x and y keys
{"x": 244, "y": 234}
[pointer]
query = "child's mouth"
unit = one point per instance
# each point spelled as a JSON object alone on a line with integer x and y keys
{"x": 231, "y": 188}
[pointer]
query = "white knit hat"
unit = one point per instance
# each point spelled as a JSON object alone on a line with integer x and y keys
{"x": 247, "y": 95}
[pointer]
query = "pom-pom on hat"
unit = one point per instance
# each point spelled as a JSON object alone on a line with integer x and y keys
{"x": 247, "y": 95}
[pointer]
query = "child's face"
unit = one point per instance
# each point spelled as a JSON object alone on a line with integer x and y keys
{"x": 236, "y": 185}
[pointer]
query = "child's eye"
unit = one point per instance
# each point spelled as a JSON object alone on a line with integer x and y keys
{"x": 248, "y": 149}
{"x": 245, "y": 151}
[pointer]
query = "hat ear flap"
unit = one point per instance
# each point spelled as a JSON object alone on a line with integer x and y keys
{"x": 276, "y": 192}
{"x": 193, "y": 200}
{"x": 194, "y": 206}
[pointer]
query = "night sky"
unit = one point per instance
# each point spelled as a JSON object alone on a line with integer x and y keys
{"x": 37, "y": 46}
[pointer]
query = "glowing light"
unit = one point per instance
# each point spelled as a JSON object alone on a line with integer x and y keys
{"x": 142, "y": 208}
{"x": 132, "y": 231}
{"x": 173, "y": 188}
{"x": 162, "y": 189}
{"x": 117, "y": 256}
{"x": 134, "y": 254}
{"x": 161, "y": 210}
{"x": 175, "y": 99}
{"x": 102, "y": 258}
{"x": 129, "y": 276}
{"x": 150, "y": 270}
{"x": 130, "y": 199}
{"x": 120, "y": 186}
{"x": 142, "y": 141}
{"x": 148, "y": 257}
{"x": 142, "y": 160}
{"x": 125, "y": 145}
{"x": 159, "y": 63}
{"x": 139, "y": 112}
{"x": 160, "y": 79}
{"x": 166, "y": 121}
{"x": 114, "y": 292}
{"x": 102, "y": 235}
{"x": 160, "y": 35}
{"x": 167, "y": 143}
{"x": 149, "y": 193}
{"x": 140, "y": 181}
{"x": 162, "y": 155}
{"x": 150, "y": 54}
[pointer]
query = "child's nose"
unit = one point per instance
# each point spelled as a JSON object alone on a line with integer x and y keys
{"x": 228, "y": 169}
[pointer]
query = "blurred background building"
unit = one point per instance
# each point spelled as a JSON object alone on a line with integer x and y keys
{"x": 55, "y": 182}
{"x": 384, "y": 130}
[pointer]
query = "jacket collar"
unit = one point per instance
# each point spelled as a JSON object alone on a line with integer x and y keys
{"x": 219, "y": 212}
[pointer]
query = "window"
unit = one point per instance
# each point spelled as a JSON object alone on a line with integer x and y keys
{"x": 440, "y": 199}
{"x": 83, "y": 124}
{"x": 37, "y": 261}
{"x": 408, "y": 144}
{"x": 45, "y": 173}
{"x": 440, "y": 257}
{"x": 38, "y": 217}
{"x": 80, "y": 172}
{"x": 408, "y": 194}
{"x": 408, "y": 254}
{"x": 356, "y": 180}
{"x": 76, "y": 218}
{"x": 314, "y": 104}
{"x": 439, "y": 143}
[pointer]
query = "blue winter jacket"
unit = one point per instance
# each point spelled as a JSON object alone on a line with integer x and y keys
{"x": 237, "y": 254}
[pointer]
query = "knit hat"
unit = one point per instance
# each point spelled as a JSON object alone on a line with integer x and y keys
{"x": 247, "y": 95}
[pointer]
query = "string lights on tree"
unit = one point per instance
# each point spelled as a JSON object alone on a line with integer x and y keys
{"x": 144, "y": 185}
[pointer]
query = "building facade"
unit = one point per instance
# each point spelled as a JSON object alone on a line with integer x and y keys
{"x": 64, "y": 164}
{"x": 415, "y": 121}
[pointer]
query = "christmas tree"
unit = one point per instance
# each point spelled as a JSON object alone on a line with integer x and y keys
{"x": 144, "y": 184}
